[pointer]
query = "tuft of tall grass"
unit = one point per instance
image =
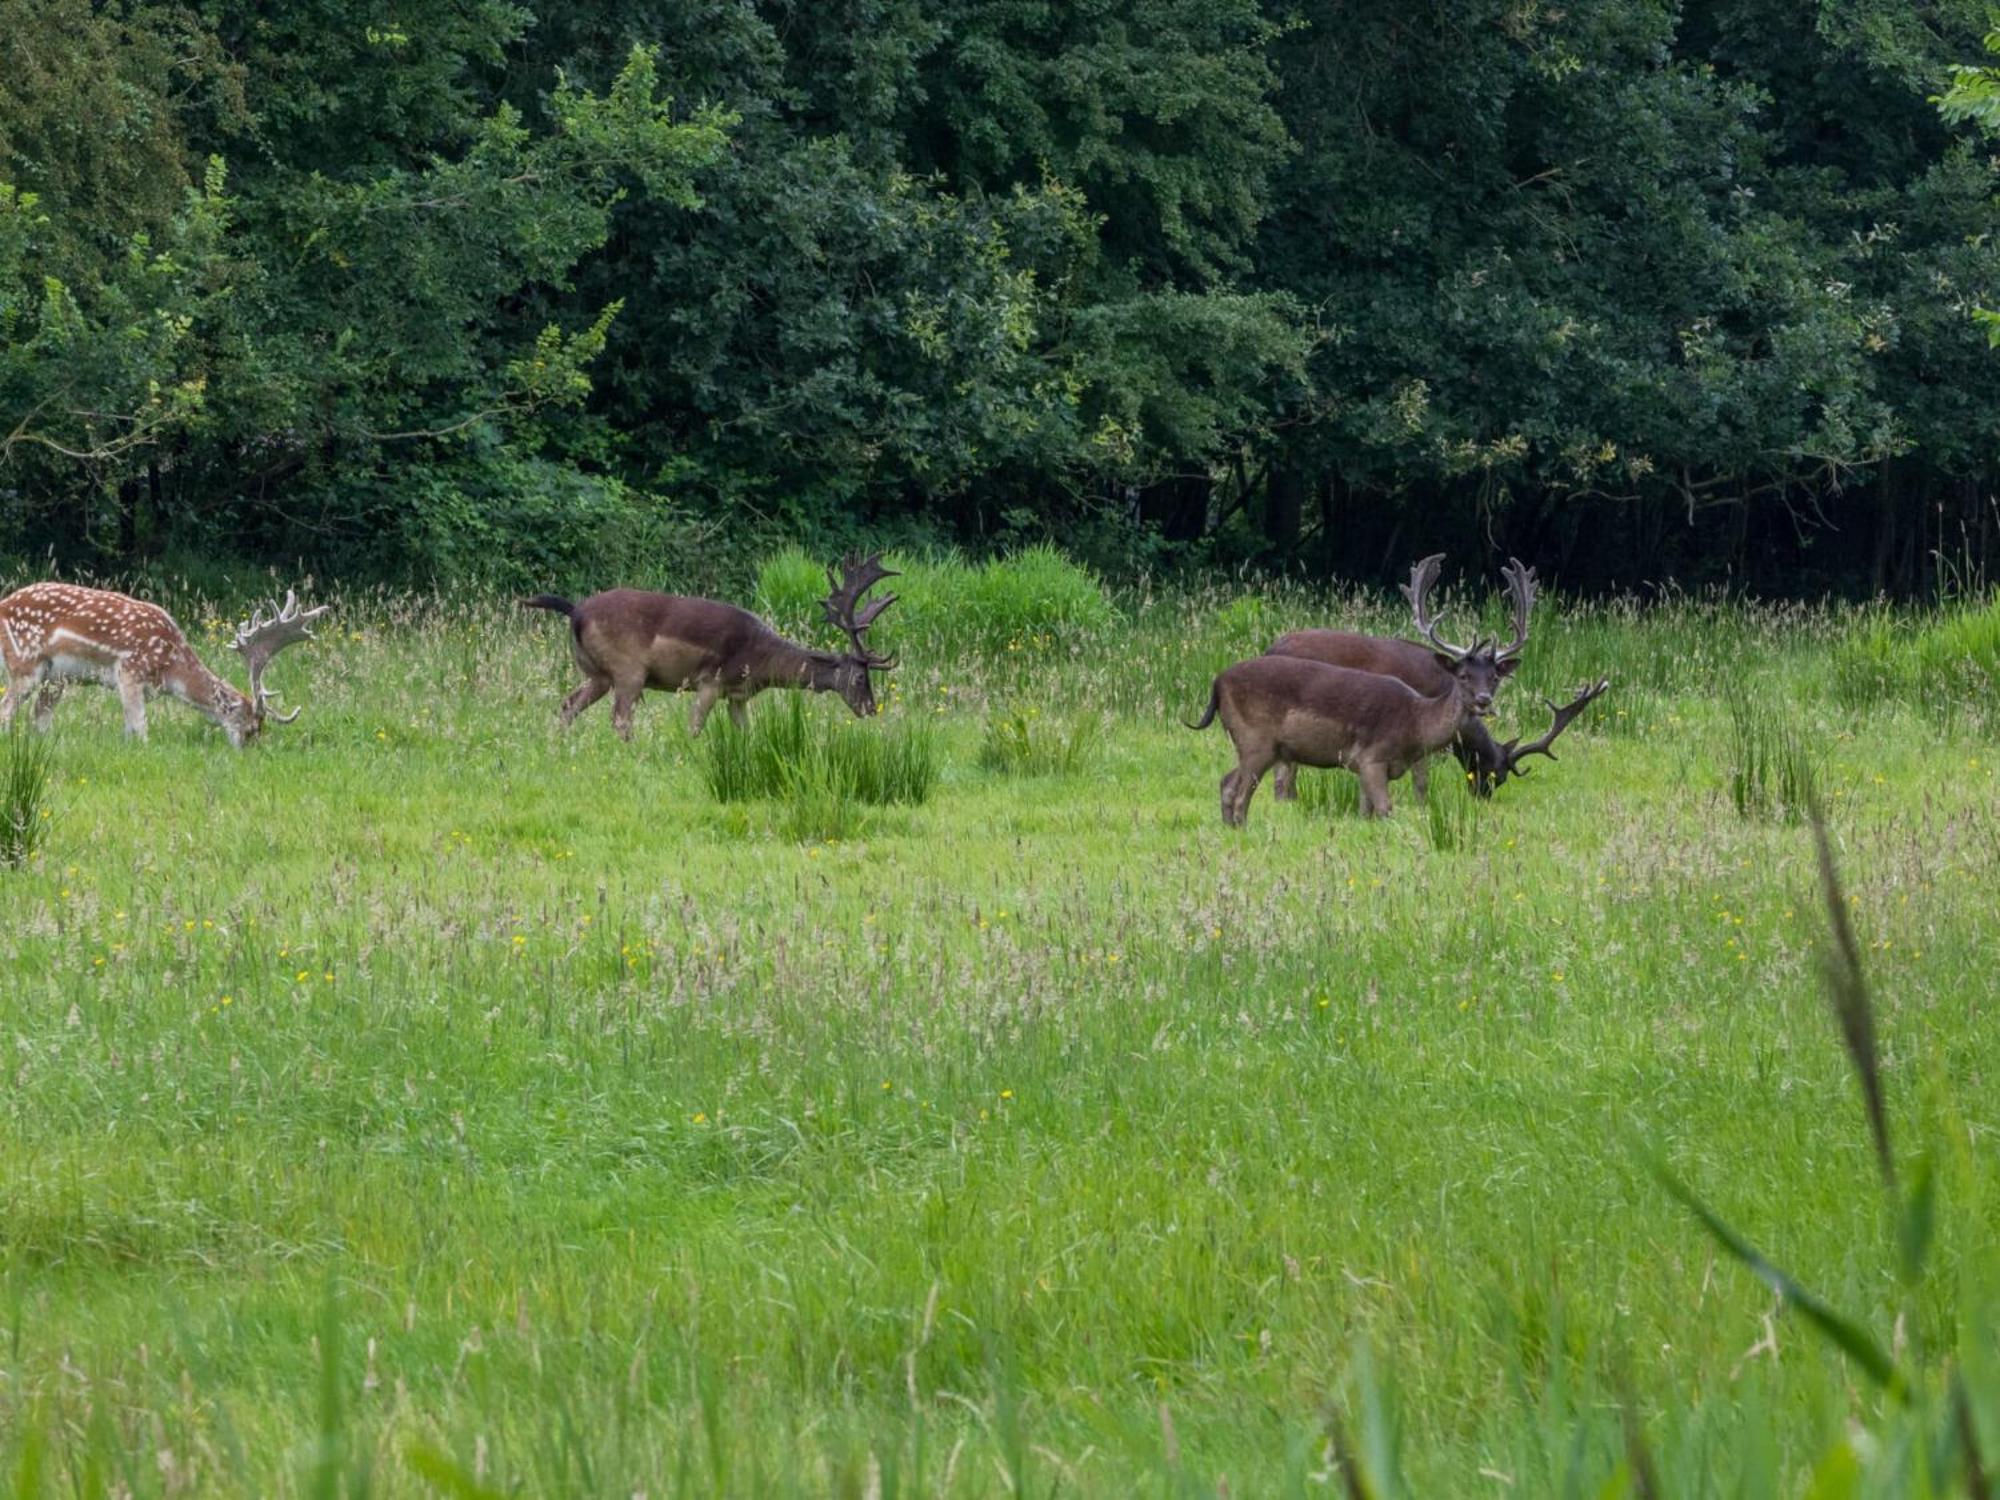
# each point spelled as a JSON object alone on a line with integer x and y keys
{"x": 24, "y": 796}
{"x": 1773, "y": 769}
{"x": 1334, "y": 794}
{"x": 1023, "y": 741}
{"x": 1946, "y": 667}
{"x": 1452, "y": 809}
{"x": 1032, "y": 598}
{"x": 826, "y": 770}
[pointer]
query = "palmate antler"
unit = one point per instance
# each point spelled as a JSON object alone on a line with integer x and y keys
{"x": 1514, "y": 752}
{"x": 264, "y": 636}
{"x": 1423, "y": 577}
{"x": 1521, "y": 591}
{"x": 857, "y": 576}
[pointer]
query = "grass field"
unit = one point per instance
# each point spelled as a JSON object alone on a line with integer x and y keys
{"x": 423, "y": 1101}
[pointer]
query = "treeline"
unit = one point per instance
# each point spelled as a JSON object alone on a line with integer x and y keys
{"x": 1635, "y": 288}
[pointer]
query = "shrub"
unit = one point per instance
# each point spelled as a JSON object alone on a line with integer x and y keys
{"x": 1030, "y": 599}
{"x": 24, "y": 787}
{"x": 1022, "y": 741}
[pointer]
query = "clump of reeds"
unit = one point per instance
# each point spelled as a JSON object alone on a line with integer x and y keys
{"x": 24, "y": 797}
{"x": 1023, "y": 741}
{"x": 1773, "y": 769}
{"x": 826, "y": 771}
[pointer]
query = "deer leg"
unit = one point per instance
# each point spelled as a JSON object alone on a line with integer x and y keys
{"x": 1285, "y": 782}
{"x": 132, "y": 694}
{"x": 45, "y": 704}
{"x": 739, "y": 714}
{"x": 1242, "y": 784}
{"x": 16, "y": 694}
{"x": 1420, "y": 780}
{"x": 1374, "y": 790}
{"x": 704, "y": 700}
{"x": 624, "y": 696}
{"x": 587, "y": 692}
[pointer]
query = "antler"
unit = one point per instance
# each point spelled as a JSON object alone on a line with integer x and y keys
{"x": 264, "y": 636}
{"x": 1565, "y": 716}
{"x": 1520, "y": 589}
{"x": 858, "y": 576}
{"x": 1417, "y": 591}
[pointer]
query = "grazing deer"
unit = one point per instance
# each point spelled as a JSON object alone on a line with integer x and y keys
{"x": 53, "y": 634}
{"x": 1477, "y": 751}
{"x": 627, "y": 640}
{"x": 1290, "y": 710}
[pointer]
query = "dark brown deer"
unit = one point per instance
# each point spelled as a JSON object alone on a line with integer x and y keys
{"x": 628, "y": 640}
{"x": 1477, "y": 751}
{"x": 1288, "y": 710}
{"x": 53, "y": 634}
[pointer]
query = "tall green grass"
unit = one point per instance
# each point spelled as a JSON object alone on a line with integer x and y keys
{"x": 1031, "y": 600}
{"x": 823, "y": 768}
{"x": 1773, "y": 763}
{"x": 1021, "y": 740}
{"x": 1947, "y": 666}
{"x": 24, "y": 795}
{"x": 1052, "y": 1138}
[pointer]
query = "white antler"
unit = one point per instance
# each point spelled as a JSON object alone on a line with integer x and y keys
{"x": 264, "y": 636}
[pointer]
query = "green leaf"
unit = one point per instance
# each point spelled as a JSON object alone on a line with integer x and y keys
{"x": 1853, "y": 1340}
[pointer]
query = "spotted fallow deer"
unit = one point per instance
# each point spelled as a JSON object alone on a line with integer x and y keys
{"x": 1280, "y": 710}
{"x": 1478, "y": 753}
{"x": 627, "y": 640}
{"x": 53, "y": 634}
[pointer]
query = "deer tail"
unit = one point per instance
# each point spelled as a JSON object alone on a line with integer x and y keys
{"x": 1214, "y": 702}
{"x": 555, "y": 602}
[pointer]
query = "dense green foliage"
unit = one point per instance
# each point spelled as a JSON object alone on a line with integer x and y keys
{"x": 551, "y": 294}
{"x": 429, "y": 1102}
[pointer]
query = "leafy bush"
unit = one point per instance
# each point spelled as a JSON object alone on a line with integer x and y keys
{"x": 24, "y": 787}
{"x": 529, "y": 524}
{"x": 1022, "y": 741}
{"x": 825, "y": 769}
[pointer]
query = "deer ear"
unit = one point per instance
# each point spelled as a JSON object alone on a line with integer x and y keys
{"x": 1446, "y": 660}
{"x": 1507, "y": 665}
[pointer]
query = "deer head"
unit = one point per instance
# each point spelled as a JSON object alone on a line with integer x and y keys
{"x": 259, "y": 639}
{"x": 1482, "y": 666}
{"x": 843, "y": 609}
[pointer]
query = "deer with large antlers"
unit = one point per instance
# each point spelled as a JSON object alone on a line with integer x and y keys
{"x": 1287, "y": 710}
{"x": 628, "y": 640}
{"x": 1485, "y": 762}
{"x": 53, "y": 634}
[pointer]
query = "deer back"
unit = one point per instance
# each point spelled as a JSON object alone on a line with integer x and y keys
{"x": 1409, "y": 661}
{"x": 47, "y": 621}
{"x": 673, "y": 636}
{"x": 1326, "y": 714}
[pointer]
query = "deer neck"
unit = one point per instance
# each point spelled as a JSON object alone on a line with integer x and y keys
{"x": 1446, "y": 713}
{"x": 187, "y": 679}
{"x": 784, "y": 663}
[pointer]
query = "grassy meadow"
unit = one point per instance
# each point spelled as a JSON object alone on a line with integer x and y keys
{"x": 425, "y": 1101}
